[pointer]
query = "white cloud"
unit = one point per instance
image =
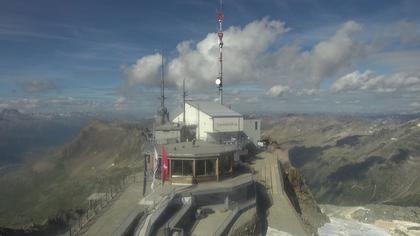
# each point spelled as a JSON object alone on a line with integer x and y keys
{"x": 368, "y": 81}
{"x": 334, "y": 54}
{"x": 351, "y": 81}
{"x": 306, "y": 92}
{"x": 145, "y": 71}
{"x": 415, "y": 104}
{"x": 278, "y": 90}
{"x": 249, "y": 56}
{"x": 243, "y": 50}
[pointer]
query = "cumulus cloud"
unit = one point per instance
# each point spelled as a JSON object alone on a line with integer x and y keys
{"x": 331, "y": 55}
{"x": 351, "y": 81}
{"x": 243, "y": 51}
{"x": 198, "y": 63}
{"x": 369, "y": 81}
{"x": 144, "y": 71}
{"x": 251, "y": 55}
{"x": 278, "y": 90}
{"x": 37, "y": 86}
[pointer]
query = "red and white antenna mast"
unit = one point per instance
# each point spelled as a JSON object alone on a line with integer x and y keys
{"x": 219, "y": 80}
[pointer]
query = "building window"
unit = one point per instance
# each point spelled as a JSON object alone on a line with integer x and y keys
{"x": 226, "y": 163}
{"x": 210, "y": 167}
{"x": 176, "y": 167}
{"x": 181, "y": 167}
{"x": 187, "y": 168}
{"x": 200, "y": 167}
{"x": 256, "y": 125}
{"x": 205, "y": 167}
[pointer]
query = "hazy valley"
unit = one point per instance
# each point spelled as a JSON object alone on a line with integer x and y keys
{"x": 44, "y": 193}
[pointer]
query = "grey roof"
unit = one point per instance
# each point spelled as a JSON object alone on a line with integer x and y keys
{"x": 200, "y": 149}
{"x": 214, "y": 109}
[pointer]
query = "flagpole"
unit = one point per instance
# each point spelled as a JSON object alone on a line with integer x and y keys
{"x": 164, "y": 165}
{"x": 144, "y": 175}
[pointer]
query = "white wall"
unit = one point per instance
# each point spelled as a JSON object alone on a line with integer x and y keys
{"x": 206, "y": 123}
{"x": 228, "y": 124}
{"x": 193, "y": 116}
{"x": 251, "y": 132}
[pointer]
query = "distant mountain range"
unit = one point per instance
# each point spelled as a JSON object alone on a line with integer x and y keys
{"x": 354, "y": 161}
{"x": 23, "y": 135}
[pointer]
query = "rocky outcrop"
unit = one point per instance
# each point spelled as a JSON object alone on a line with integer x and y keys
{"x": 302, "y": 199}
{"x": 247, "y": 224}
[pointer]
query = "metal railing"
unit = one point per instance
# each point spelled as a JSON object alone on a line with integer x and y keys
{"x": 82, "y": 222}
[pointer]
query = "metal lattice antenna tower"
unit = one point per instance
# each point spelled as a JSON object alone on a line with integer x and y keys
{"x": 219, "y": 80}
{"x": 164, "y": 115}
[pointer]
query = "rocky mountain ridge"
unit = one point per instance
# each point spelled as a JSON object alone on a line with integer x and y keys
{"x": 352, "y": 161}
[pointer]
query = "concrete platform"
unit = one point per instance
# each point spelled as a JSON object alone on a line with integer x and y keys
{"x": 114, "y": 220}
{"x": 211, "y": 222}
{"x": 282, "y": 216}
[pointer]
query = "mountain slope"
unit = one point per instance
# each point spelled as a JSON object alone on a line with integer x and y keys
{"x": 354, "y": 161}
{"x": 58, "y": 184}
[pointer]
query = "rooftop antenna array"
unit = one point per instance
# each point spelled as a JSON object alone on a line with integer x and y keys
{"x": 219, "y": 80}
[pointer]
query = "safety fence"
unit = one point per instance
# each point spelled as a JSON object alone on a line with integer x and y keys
{"x": 98, "y": 204}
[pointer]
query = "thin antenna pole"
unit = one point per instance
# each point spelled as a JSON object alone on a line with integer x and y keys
{"x": 162, "y": 84}
{"x": 184, "y": 95}
{"x": 220, "y": 18}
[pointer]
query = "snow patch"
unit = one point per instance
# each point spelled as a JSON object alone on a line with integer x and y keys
{"x": 348, "y": 227}
{"x": 276, "y": 232}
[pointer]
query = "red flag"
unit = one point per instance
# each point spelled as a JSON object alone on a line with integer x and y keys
{"x": 165, "y": 164}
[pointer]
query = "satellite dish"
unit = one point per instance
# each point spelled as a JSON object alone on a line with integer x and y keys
{"x": 218, "y": 81}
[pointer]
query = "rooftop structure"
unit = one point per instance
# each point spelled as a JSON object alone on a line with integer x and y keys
{"x": 218, "y": 123}
{"x": 214, "y": 109}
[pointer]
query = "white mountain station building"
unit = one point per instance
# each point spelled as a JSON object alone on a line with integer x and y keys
{"x": 217, "y": 123}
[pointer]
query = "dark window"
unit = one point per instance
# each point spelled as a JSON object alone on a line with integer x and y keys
{"x": 210, "y": 167}
{"x": 200, "y": 167}
{"x": 181, "y": 167}
{"x": 226, "y": 163}
{"x": 256, "y": 125}
{"x": 176, "y": 167}
{"x": 187, "y": 167}
{"x": 205, "y": 167}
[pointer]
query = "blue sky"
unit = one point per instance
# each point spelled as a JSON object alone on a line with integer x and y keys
{"x": 304, "y": 56}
